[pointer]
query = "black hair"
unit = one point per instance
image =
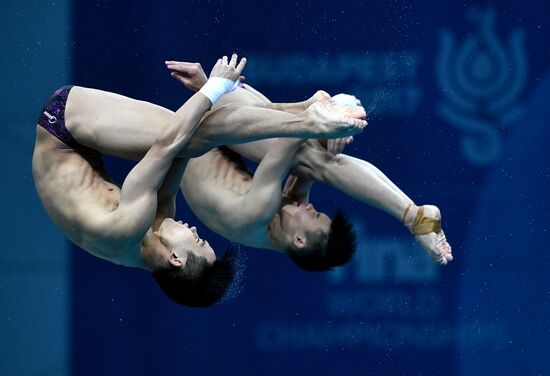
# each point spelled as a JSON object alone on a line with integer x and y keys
{"x": 338, "y": 249}
{"x": 198, "y": 284}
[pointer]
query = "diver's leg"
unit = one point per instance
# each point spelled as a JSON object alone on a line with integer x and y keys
{"x": 357, "y": 178}
{"x": 114, "y": 124}
{"x": 121, "y": 126}
{"x": 251, "y": 96}
{"x": 366, "y": 183}
{"x": 238, "y": 123}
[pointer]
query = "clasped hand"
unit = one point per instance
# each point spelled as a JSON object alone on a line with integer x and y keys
{"x": 193, "y": 77}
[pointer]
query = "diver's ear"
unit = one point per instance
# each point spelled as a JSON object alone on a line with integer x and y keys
{"x": 299, "y": 241}
{"x": 175, "y": 260}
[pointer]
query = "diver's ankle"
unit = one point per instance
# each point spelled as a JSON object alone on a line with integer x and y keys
{"x": 409, "y": 214}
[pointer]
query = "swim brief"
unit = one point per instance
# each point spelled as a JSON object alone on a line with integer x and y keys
{"x": 52, "y": 117}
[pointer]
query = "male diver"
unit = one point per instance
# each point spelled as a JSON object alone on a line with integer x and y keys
{"x": 133, "y": 225}
{"x": 251, "y": 210}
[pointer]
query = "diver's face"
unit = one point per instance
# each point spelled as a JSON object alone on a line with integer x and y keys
{"x": 304, "y": 219}
{"x": 181, "y": 239}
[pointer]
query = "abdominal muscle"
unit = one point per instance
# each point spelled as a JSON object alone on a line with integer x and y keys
{"x": 74, "y": 194}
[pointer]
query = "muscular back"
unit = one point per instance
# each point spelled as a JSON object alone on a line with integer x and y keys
{"x": 214, "y": 186}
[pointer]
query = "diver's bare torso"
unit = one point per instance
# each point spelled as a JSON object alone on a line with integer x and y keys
{"x": 214, "y": 186}
{"x": 76, "y": 192}
{"x": 73, "y": 186}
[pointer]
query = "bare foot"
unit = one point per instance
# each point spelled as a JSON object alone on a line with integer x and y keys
{"x": 320, "y": 95}
{"x": 334, "y": 120}
{"x": 348, "y": 100}
{"x": 300, "y": 107}
{"x": 425, "y": 223}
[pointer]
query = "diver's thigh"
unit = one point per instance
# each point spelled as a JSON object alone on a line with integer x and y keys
{"x": 114, "y": 124}
{"x": 239, "y": 96}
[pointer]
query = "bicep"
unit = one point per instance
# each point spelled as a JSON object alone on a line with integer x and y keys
{"x": 261, "y": 202}
{"x": 264, "y": 196}
{"x": 129, "y": 221}
{"x": 165, "y": 209}
{"x": 138, "y": 196}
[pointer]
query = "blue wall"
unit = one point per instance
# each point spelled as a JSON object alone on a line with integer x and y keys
{"x": 34, "y": 264}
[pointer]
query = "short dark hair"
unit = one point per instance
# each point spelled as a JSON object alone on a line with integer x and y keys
{"x": 336, "y": 251}
{"x": 198, "y": 284}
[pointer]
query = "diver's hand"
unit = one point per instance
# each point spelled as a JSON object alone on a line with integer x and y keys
{"x": 229, "y": 70}
{"x": 336, "y": 146}
{"x": 313, "y": 154}
{"x": 191, "y": 75}
{"x": 224, "y": 78}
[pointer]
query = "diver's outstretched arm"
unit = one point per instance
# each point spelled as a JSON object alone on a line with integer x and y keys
{"x": 297, "y": 189}
{"x": 166, "y": 195}
{"x": 264, "y": 197}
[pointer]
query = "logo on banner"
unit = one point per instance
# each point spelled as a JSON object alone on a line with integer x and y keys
{"x": 389, "y": 296}
{"x": 481, "y": 82}
{"x": 385, "y": 82}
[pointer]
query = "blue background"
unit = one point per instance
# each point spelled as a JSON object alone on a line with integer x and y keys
{"x": 464, "y": 129}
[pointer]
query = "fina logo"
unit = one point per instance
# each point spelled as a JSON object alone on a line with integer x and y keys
{"x": 481, "y": 82}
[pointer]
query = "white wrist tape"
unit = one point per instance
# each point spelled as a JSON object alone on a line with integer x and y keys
{"x": 215, "y": 87}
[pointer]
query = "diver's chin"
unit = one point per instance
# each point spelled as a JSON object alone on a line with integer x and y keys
{"x": 289, "y": 209}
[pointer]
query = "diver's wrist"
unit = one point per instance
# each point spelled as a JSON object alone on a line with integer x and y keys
{"x": 216, "y": 87}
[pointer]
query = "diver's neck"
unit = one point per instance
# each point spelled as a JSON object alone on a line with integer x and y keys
{"x": 276, "y": 237}
{"x": 148, "y": 257}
